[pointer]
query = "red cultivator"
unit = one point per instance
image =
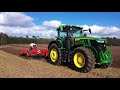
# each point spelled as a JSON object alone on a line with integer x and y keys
{"x": 34, "y": 52}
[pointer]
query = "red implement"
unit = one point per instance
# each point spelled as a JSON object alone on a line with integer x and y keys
{"x": 42, "y": 51}
{"x": 34, "y": 52}
{"x": 23, "y": 52}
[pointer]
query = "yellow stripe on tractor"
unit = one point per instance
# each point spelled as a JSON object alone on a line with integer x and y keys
{"x": 76, "y": 39}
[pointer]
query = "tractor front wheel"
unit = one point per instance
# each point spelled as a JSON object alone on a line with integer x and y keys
{"x": 82, "y": 59}
{"x": 54, "y": 56}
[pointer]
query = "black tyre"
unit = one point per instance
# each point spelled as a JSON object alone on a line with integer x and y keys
{"x": 82, "y": 59}
{"x": 55, "y": 56}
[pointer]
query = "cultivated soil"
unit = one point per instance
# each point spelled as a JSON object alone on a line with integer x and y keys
{"x": 14, "y": 66}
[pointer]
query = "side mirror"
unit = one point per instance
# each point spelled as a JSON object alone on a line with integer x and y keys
{"x": 90, "y": 30}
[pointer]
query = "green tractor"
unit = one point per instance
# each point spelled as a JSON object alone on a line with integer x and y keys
{"x": 82, "y": 52}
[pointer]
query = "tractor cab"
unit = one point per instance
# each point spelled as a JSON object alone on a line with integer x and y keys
{"x": 68, "y": 33}
{"x": 71, "y": 31}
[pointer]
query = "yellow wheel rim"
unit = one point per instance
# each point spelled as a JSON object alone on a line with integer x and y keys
{"x": 53, "y": 55}
{"x": 79, "y": 60}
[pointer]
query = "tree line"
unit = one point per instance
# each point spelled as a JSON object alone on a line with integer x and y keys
{"x": 113, "y": 41}
{"x": 5, "y": 39}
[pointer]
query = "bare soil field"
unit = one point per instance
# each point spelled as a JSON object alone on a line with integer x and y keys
{"x": 13, "y": 66}
{"x": 116, "y": 56}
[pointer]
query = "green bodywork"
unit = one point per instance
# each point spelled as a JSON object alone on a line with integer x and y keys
{"x": 102, "y": 56}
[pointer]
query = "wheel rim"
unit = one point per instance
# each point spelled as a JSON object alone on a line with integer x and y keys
{"x": 53, "y": 55}
{"x": 79, "y": 60}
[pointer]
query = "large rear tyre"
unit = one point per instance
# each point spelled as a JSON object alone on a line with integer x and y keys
{"x": 55, "y": 56}
{"x": 82, "y": 59}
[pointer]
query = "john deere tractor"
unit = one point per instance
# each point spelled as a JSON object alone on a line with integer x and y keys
{"x": 73, "y": 46}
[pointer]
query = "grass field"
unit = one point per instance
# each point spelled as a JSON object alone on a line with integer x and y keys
{"x": 13, "y": 66}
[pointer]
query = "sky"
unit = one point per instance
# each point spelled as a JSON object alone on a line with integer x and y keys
{"x": 44, "y": 24}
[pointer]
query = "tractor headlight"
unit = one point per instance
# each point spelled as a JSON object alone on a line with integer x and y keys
{"x": 100, "y": 41}
{"x": 101, "y": 45}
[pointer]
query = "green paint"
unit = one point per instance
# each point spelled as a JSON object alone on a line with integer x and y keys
{"x": 61, "y": 42}
{"x": 105, "y": 57}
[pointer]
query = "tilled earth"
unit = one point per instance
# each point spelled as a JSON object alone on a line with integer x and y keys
{"x": 13, "y": 66}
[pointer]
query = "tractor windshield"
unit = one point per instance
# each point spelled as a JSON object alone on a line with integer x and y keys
{"x": 76, "y": 34}
{"x": 63, "y": 34}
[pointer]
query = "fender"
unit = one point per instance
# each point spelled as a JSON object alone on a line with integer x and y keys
{"x": 92, "y": 48}
{"x": 59, "y": 44}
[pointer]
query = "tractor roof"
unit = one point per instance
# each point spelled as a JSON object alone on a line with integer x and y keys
{"x": 67, "y": 27}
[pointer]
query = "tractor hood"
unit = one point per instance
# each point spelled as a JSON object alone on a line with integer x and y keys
{"x": 90, "y": 38}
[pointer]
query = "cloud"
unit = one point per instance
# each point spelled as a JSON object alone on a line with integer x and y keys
{"x": 42, "y": 31}
{"x": 51, "y": 24}
{"x": 15, "y": 19}
{"x": 103, "y": 31}
{"x": 20, "y": 24}
{"x": 30, "y": 31}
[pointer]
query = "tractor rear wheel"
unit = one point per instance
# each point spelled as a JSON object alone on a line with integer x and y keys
{"x": 55, "y": 56}
{"x": 82, "y": 59}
